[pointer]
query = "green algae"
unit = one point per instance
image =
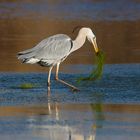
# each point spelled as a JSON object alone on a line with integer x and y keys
{"x": 26, "y": 86}
{"x": 98, "y": 71}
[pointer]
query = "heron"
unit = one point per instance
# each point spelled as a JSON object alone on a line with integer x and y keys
{"x": 53, "y": 50}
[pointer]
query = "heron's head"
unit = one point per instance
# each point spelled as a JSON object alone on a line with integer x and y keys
{"x": 91, "y": 38}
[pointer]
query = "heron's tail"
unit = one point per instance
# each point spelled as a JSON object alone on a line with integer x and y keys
{"x": 27, "y": 56}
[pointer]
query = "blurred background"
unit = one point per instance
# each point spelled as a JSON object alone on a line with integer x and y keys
{"x": 23, "y": 24}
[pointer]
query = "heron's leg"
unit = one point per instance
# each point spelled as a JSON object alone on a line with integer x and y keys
{"x": 49, "y": 76}
{"x": 57, "y": 70}
{"x": 57, "y": 78}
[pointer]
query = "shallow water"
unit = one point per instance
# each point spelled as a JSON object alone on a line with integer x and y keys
{"x": 119, "y": 84}
{"x": 105, "y": 109}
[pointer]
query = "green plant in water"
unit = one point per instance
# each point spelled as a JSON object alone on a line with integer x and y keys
{"x": 26, "y": 86}
{"x": 96, "y": 73}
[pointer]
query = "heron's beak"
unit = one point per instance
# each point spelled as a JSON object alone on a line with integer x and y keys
{"x": 95, "y": 45}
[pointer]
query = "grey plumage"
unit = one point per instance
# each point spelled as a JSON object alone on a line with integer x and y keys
{"x": 49, "y": 51}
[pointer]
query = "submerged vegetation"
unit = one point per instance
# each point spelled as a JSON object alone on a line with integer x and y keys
{"x": 96, "y": 73}
{"x": 26, "y": 86}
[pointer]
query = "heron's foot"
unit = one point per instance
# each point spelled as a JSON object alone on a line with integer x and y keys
{"x": 69, "y": 85}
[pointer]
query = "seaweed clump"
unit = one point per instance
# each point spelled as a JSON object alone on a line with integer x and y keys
{"x": 98, "y": 71}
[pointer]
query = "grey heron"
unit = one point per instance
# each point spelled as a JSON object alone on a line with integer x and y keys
{"x": 55, "y": 49}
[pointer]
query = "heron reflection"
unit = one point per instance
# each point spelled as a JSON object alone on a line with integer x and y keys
{"x": 61, "y": 122}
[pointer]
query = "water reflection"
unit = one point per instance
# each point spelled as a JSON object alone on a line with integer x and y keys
{"x": 63, "y": 123}
{"x": 55, "y": 120}
{"x": 97, "y": 109}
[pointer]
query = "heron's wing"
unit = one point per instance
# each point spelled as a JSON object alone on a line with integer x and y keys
{"x": 37, "y": 47}
{"x": 57, "y": 47}
{"x": 51, "y": 48}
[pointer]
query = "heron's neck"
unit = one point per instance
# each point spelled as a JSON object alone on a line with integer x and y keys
{"x": 79, "y": 41}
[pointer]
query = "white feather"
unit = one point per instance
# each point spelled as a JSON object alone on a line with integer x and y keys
{"x": 33, "y": 61}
